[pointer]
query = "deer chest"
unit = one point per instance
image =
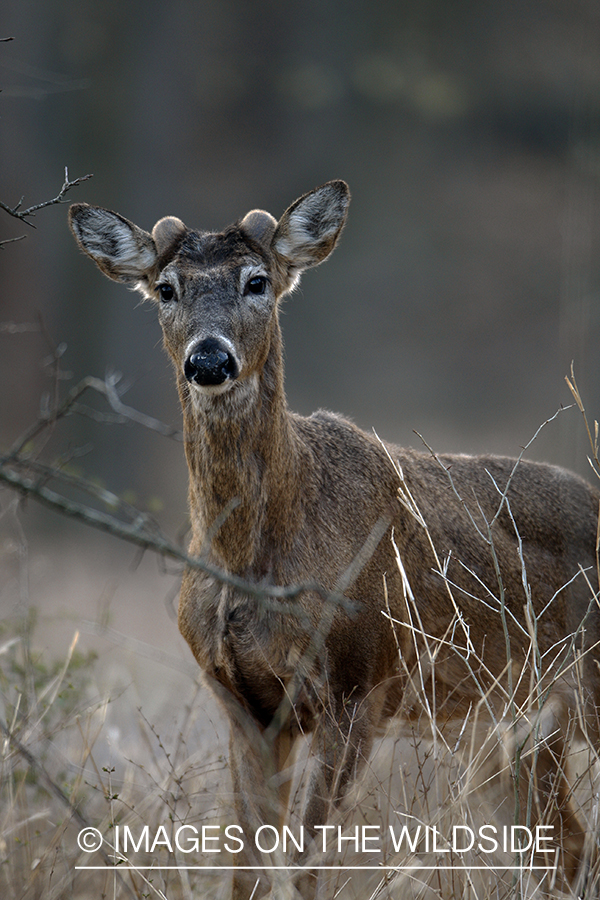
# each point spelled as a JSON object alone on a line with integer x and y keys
{"x": 238, "y": 641}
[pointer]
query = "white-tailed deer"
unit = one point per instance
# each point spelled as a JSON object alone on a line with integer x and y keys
{"x": 475, "y": 572}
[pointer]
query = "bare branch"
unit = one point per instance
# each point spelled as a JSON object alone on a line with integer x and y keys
{"x": 12, "y": 240}
{"x": 25, "y": 214}
{"x": 151, "y": 538}
{"x": 109, "y": 389}
{"x": 50, "y": 418}
{"x": 70, "y": 405}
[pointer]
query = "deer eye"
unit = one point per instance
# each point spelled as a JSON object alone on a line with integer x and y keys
{"x": 256, "y": 285}
{"x": 166, "y": 292}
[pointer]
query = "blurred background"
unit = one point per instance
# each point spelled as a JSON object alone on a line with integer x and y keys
{"x": 467, "y": 279}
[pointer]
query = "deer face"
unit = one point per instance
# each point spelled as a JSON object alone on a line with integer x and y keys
{"x": 217, "y": 301}
{"x": 217, "y": 293}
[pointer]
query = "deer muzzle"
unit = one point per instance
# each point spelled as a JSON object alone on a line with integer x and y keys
{"x": 211, "y": 362}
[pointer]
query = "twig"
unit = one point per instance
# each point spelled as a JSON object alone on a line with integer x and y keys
{"x": 24, "y": 214}
{"x": 12, "y": 240}
{"x": 109, "y": 388}
{"x": 69, "y": 404}
{"x": 20, "y": 471}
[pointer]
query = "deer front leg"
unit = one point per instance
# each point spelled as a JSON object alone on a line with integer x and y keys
{"x": 260, "y": 798}
{"x": 341, "y": 743}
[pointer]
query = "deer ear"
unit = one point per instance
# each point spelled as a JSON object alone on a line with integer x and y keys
{"x": 119, "y": 248}
{"x": 259, "y": 226}
{"x": 167, "y": 234}
{"x": 309, "y": 230}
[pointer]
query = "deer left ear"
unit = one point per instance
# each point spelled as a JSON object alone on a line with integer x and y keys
{"x": 119, "y": 248}
{"x": 167, "y": 235}
{"x": 309, "y": 230}
{"x": 259, "y": 226}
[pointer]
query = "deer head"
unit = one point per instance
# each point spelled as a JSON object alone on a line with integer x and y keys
{"x": 217, "y": 294}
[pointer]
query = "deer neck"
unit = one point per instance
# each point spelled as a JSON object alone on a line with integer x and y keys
{"x": 244, "y": 461}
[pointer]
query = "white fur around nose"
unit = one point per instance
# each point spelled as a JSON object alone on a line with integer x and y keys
{"x": 213, "y": 389}
{"x": 215, "y": 336}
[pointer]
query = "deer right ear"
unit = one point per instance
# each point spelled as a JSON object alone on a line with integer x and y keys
{"x": 119, "y": 248}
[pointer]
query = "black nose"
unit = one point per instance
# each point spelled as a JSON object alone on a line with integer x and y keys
{"x": 210, "y": 363}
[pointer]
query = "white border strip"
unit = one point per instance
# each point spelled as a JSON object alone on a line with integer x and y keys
{"x": 505, "y": 868}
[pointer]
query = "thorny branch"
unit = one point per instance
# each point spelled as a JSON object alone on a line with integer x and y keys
{"x": 24, "y": 215}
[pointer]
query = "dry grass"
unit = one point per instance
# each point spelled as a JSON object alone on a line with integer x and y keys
{"x": 80, "y": 751}
{"x": 66, "y": 767}
{"x": 77, "y": 755}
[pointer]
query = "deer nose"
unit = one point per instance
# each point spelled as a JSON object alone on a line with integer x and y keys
{"x": 210, "y": 363}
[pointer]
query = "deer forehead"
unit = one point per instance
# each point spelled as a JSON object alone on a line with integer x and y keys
{"x": 212, "y": 258}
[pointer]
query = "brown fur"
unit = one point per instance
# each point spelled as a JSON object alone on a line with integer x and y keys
{"x": 297, "y": 500}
